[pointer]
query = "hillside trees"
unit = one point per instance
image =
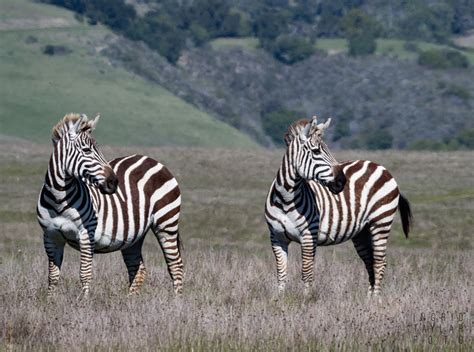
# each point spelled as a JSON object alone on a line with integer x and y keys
{"x": 361, "y": 31}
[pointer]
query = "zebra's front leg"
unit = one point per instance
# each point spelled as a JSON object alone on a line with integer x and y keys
{"x": 86, "y": 247}
{"x": 280, "y": 250}
{"x": 54, "y": 248}
{"x": 135, "y": 266}
{"x": 170, "y": 244}
{"x": 308, "y": 252}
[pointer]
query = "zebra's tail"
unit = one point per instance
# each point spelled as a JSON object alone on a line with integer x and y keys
{"x": 405, "y": 214}
{"x": 180, "y": 243}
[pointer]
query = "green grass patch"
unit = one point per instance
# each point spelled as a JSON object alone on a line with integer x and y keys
{"x": 226, "y": 43}
{"x": 332, "y": 45}
{"x": 14, "y": 9}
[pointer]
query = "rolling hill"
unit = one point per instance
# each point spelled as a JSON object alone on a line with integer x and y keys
{"x": 38, "y": 89}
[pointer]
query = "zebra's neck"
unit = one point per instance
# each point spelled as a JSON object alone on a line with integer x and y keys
{"x": 62, "y": 188}
{"x": 288, "y": 184}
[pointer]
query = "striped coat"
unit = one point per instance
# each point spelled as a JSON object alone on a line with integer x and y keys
{"x": 99, "y": 207}
{"x": 312, "y": 211}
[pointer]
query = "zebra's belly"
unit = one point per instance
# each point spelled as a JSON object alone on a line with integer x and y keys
{"x": 328, "y": 238}
{"x": 107, "y": 242}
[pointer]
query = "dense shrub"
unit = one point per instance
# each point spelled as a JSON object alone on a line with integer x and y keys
{"x": 442, "y": 59}
{"x": 381, "y": 139}
{"x": 361, "y": 31}
{"x": 56, "y": 50}
{"x": 464, "y": 140}
{"x": 429, "y": 23}
{"x": 276, "y": 123}
{"x": 292, "y": 49}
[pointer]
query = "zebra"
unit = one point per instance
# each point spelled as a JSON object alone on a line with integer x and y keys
{"x": 97, "y": 206}
{"x": 316, "y": 201}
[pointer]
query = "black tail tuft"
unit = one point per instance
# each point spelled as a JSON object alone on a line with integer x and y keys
{"x": 405, "y": 213}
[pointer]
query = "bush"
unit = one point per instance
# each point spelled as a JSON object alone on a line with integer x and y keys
{"x": 381, "y": 139}
{"x": 292, "y": 49}
{"x": 442, "y": 59}
{"x": 411, "y": 46}
{"x": 361, "y": 31}
{"x": 276, "y": 123}
{"x": 362, "y": 44}
{"x": 56, "y": 50}
{"x": 458, "y": 91}
{"x": 466, "y": 138}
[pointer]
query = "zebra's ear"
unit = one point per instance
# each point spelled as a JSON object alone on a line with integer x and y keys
{"x": 325, "y": 125}
{"x": 74, "y": 129}
{"x": 304, "y": 134}
{"x": 93, "y": 123}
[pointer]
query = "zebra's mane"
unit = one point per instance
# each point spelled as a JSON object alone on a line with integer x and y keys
{"x": 68, "y": 122}
{"x": 294, "y": 130}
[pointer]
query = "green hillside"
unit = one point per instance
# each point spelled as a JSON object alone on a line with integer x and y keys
{"x": 38, "y": 89}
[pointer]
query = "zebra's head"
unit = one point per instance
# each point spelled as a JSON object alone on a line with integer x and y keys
{"x": 313, "y": 160}
{"x": 78, "y": 154}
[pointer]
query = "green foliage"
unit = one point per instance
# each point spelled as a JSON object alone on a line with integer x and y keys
{"x": 342, "y": 128}
{"x": 56, "y": 50}
{"x": 430, "y": 23}
{"x": 379, "y": 139}
{"x": 411, "y": 46}
{"x": 361, "y": 31}
{"x": 466, "y": 138}
{"x": 463, "y": 140}
{"x": 292, "y": 49}
{"x": 458, "y": 91}
{"x": 270, "y": 23}
{"x": 276, "y": 123}
{"x": 443, "y": 59}
{"x": 362, "y": 44}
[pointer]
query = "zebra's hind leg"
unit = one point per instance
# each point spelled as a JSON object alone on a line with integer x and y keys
{"x": 171, "y": 245}
{"x": 280, "y": 250}
{"x": 133, "y": 259}
{"x": 379, "y": 232}
{"x": 308, "y": 252}
{"x": 54, "y": 246}
{"x": 363, "y": 245}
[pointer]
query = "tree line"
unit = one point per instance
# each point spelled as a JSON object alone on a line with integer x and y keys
{"x": 286, "y": 29}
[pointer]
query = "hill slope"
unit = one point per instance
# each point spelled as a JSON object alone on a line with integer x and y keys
{"x": 38, "y": 89}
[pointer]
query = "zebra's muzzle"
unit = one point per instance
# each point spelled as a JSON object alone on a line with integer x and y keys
{"x": 338, "y": 184}
{"x": 110, "y": 184}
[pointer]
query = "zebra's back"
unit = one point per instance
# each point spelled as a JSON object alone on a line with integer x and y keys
{"x": 369, "y": 197}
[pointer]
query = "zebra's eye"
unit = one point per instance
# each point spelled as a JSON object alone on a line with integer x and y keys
{"x": 87, "y": 151}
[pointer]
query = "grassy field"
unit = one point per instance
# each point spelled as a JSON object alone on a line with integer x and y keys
{"x": 229, "y": 301}
{"x": 38, "y": 89}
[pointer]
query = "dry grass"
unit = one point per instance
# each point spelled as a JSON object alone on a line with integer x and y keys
{"x": 229, "y": 300}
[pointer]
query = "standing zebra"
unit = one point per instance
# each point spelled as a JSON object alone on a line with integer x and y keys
{"x": 101, "y": 207}
{"x": 318, "y": 202}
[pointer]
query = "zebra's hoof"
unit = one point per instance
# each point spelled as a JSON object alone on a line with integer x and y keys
{"x": 178, "y": 291}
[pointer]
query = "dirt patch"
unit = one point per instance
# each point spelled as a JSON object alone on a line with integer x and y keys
{"x": 466, "y": 41}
